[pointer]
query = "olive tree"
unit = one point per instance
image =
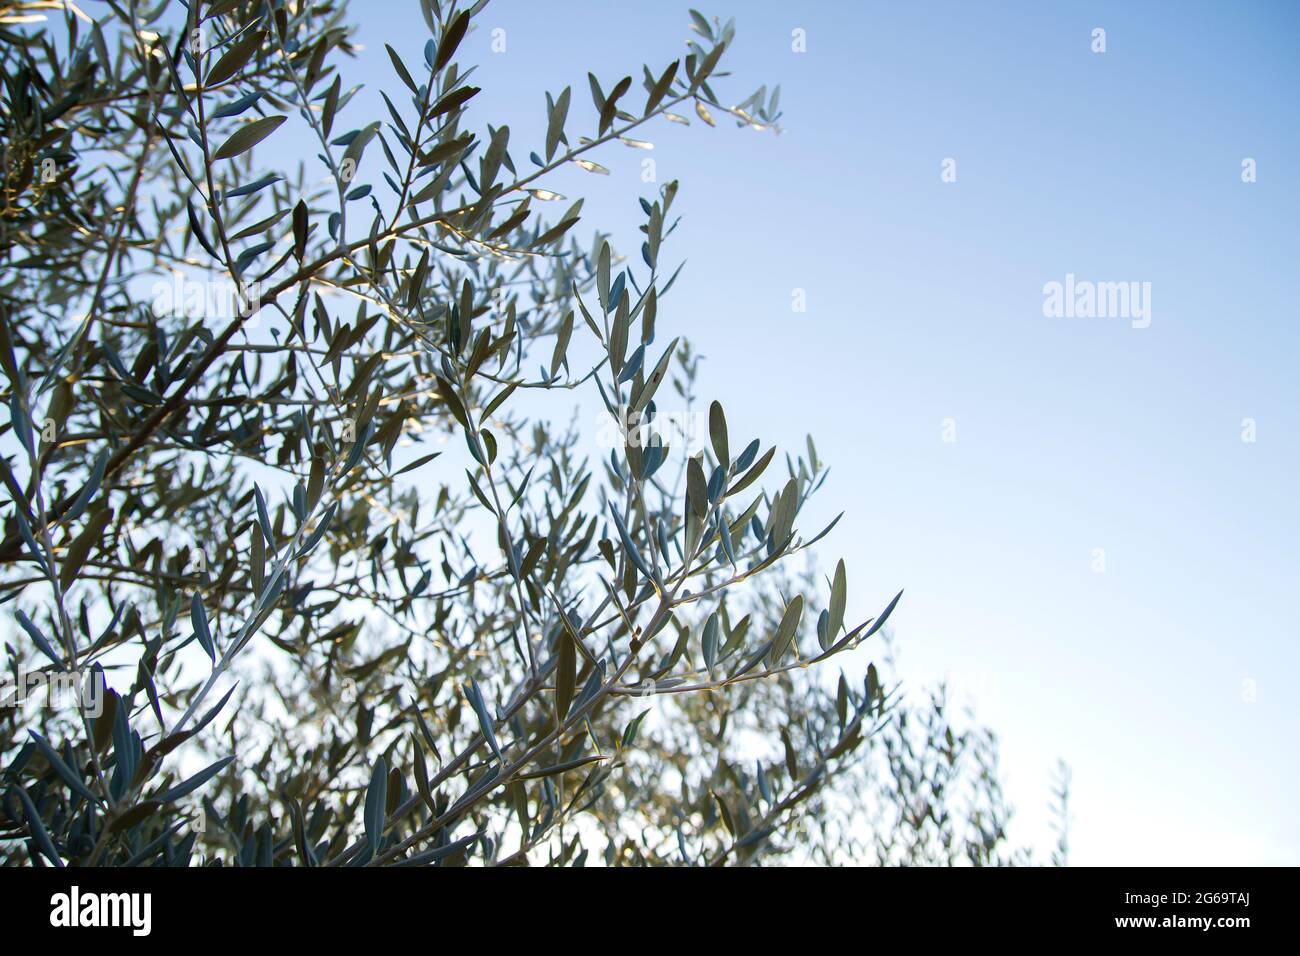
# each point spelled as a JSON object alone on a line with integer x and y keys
{"x": 299, "y": 573}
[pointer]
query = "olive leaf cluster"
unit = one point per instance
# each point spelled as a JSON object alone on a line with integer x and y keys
{"x": 327, "y": 586}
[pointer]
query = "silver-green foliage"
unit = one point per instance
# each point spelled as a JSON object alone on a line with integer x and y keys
{"x": 322, "y": 636}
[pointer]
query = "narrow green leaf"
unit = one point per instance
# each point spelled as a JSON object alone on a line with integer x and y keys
{"x": 786, "y": 631}
{"x": 718, "y": 435}
{"x": 235, "y": 58}
{"x": 376, "y": 803}
{"x": 401, "y": 69}
{"x": 39, "y": 639}
{"x": 450, "y": 40}
{"x": 561, "y": 767}
{"x": 839, "y": 595}
{"x": 37, "y": 828}
{"x": 199, "y": 618}
{"x": 566, "y": 673}
{"x": 69, "y": 776}
{"x": 194, "y": 782}
{"x": 749, "y": 477}
{"x": 555, "y": 122}
{"x": 246, "y": 137}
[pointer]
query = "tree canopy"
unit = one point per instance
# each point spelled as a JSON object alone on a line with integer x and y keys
{"x": 299, "y": 572}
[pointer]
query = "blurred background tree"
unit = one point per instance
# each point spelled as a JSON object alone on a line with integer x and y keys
{"x": 300, "y": 571}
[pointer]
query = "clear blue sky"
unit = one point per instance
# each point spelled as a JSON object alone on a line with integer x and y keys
{"x": 925, "y": 303}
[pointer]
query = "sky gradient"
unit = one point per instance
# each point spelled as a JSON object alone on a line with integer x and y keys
{"x": 1164, "y": 680}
